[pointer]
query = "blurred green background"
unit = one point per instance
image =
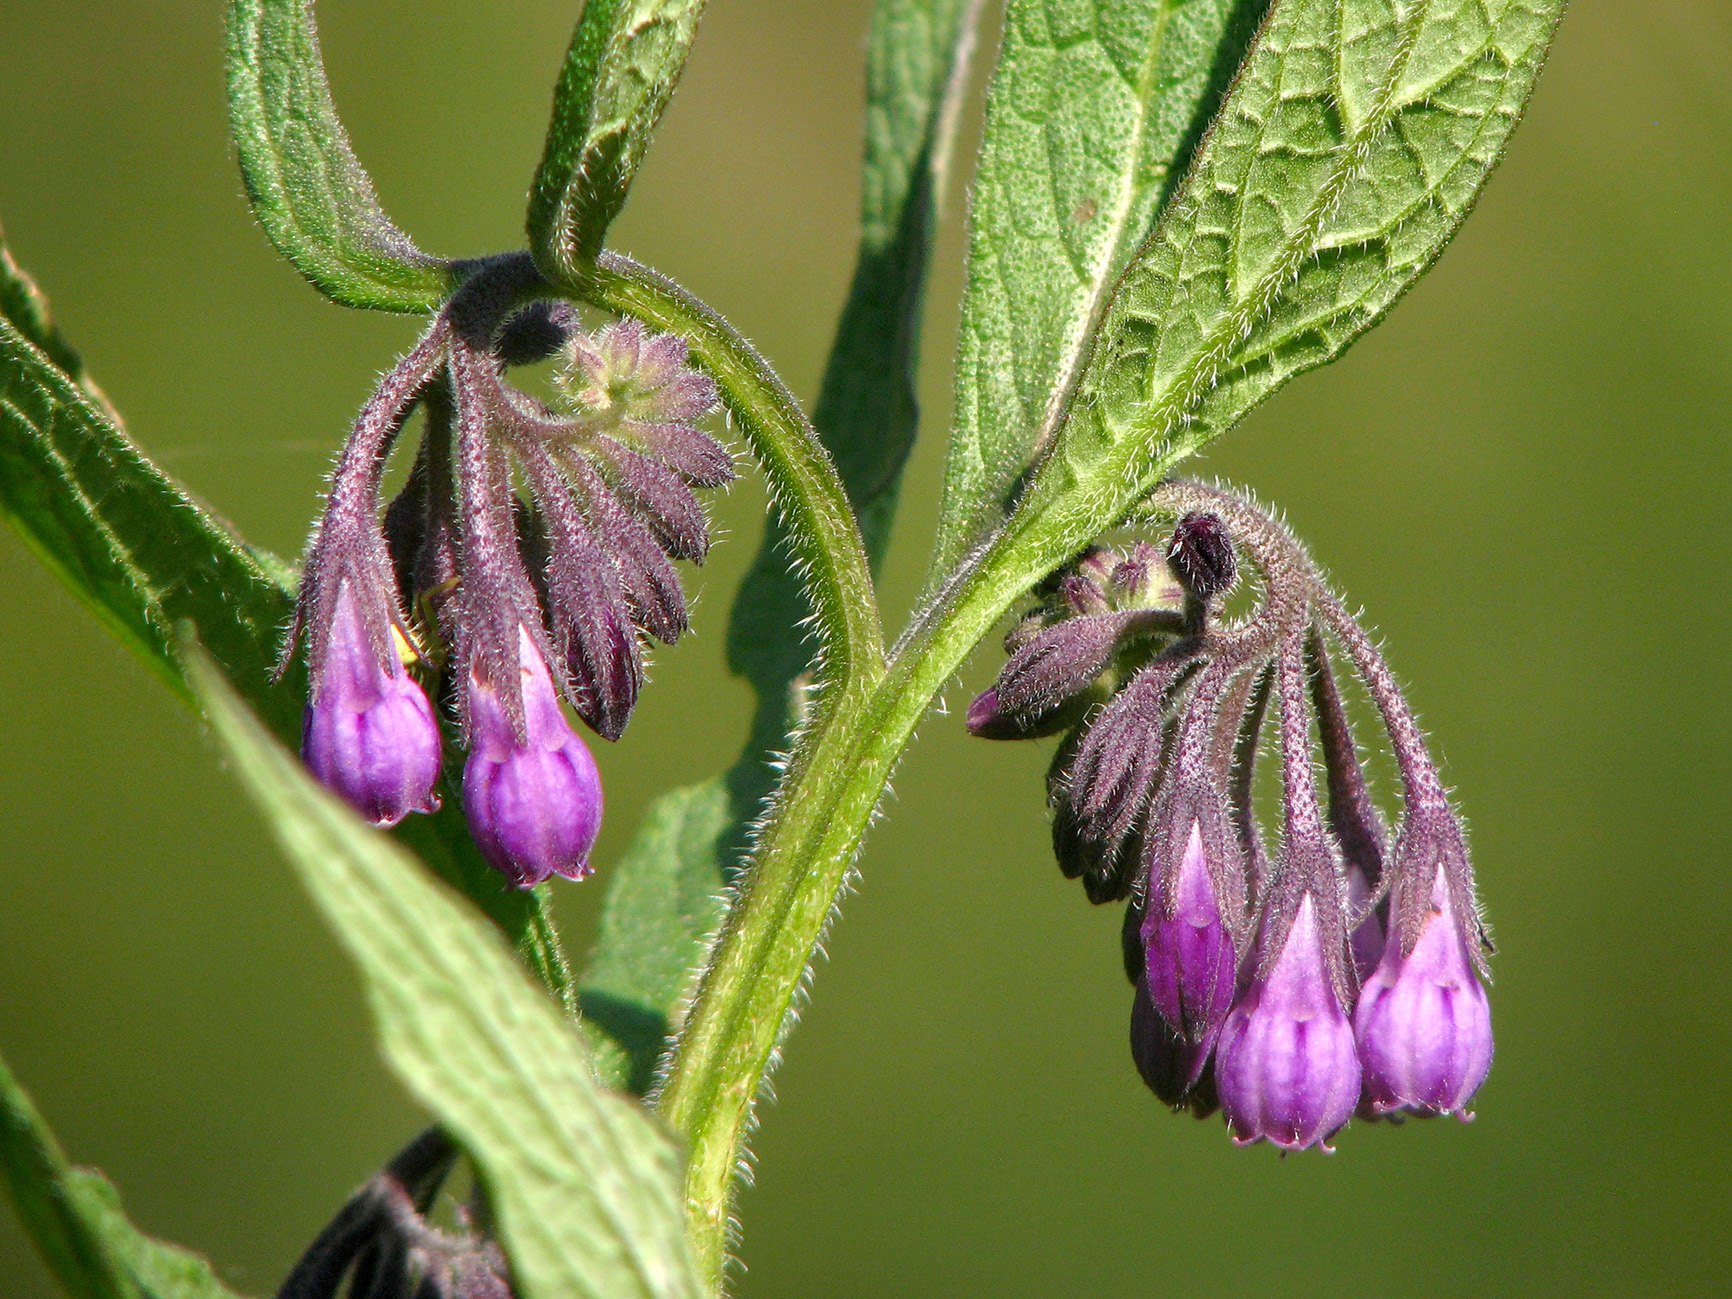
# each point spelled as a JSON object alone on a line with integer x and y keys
{"x": 1522, "y": 476}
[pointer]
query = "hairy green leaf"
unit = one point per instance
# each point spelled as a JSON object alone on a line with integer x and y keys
{"x": 1093, "y": 115}
{"x": 624, "y": 61}
{"x": 75, "y": 1218}
{"x": 1354, "y": 143}
{"x": 666, "y": 896}
{"x": 125, "y": 538}
{"x": 309, "y": 190}
{"x": 584, "y": 1184}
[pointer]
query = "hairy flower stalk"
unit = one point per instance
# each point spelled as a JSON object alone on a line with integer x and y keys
{"x": 526, "y": 561}
{"x": 1247, "y": 970}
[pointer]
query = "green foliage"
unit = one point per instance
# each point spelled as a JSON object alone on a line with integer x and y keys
{"x": 624, "y": 61}
{"x": 665, "y": 899}
{"x": 584, "y": 1184}
{"x": 74, "y": 1215}
{"x": 124, "y": 537}
{"x": 1092, "y": 118}
{"x": 1352, "y": 146}
{"x": 307, "y": 187}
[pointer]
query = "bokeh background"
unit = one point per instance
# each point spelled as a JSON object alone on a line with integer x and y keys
{"x": 1522, "y": 475}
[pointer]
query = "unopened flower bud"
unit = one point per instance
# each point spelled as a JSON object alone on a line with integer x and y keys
{"x": 1367, "y": 936}
{"x": 369, "y": 734}
{"x": 1285, "y": 1063}
{"x": 1423, "y": 1021}
{"x": 1201, "y": 555}
{"x": 533, "y": 799}
{"x": 1175, "y": 1070}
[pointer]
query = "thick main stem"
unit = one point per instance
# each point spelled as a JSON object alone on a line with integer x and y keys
{"x": 786, "y": 898}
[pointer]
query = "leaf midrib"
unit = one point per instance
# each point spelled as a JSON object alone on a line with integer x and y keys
{"x": 1098, "y": 288}
{"x": 1194, "y": 381}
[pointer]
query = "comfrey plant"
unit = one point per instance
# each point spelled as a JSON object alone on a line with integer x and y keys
{"x": 1342, "y": 973}
{"x": 1176, "y": 208}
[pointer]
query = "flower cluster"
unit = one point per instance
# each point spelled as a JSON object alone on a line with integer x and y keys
{"x": 525, "y": 562}
{"x": 1344, "y": 973}
{"x": 383, "y": 1243}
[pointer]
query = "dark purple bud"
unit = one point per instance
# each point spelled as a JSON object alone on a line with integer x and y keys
{"x": 369, "y": 734}
{"x": 1061, "y": 661}
{"x": 1423, "y": 1022}
{"x": 592, "y": 632}
{"x": 652, "y": 587}
{"x": 658, "y": 496}
{"x": 536, "y": 333}
{"x": 382, "y": 1244}
{"x": 533, "y": 800}
{"x": 1191, "y": 957}
{"x": 1082, "y": 597}
{"x": 1201, "y": 555}
{"x": 986, "y": 720}
{"x": 694, "y": 456}
{"x": 1119, "y": 757}
{"x": 1367, "y": 936}
{"x": 1106, "y": 869}
{"x": 1285, "y": 1064}
{"x": 1175, "y": 1070}
{"x": 1131, "y": 941}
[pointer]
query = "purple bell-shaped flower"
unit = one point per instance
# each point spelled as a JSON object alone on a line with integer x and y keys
{"x": 369, "y": 734}
{"x": 1285, "y": 1064}
{"x": 1191, "y": 959}
{"x": 532, "y": 795}
{"x": 1423, "y": 1021}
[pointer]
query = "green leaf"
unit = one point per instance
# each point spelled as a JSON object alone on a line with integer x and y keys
{"x": 584, "y": 1184}
{"x": 666, "y": 896}
{"x": 1092, "y": 117}
{"x": 125, "y": 538}
{"x": 75, "y": 1218}
{"x": 1355, "y": 141}
{"x": 309, "y": 190}
{"x": 624, "y": 61}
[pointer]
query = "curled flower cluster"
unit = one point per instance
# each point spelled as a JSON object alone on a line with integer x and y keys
{"x": 384, "y": 1242}
{"x": 1343, "y": 974}
{"x": 527, "y": 560}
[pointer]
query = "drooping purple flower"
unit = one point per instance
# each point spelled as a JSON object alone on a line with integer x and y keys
{"x": 369, "y": 734}
{"x": 1285, "y": 1064}
{"x": 1196, "y": 889}
{"x": 1423, "y": 1021}
{"x": 1354, "y": 820}
{"x": 1191, "y": 961}
{"x": 532, "y": 795}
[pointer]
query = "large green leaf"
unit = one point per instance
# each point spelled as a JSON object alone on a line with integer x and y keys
{"x": 1354, "y": 143}
{"x": 584, "y": 1184}
{"x": 316, "y": 202}
{"x": 1092, "y": 117}
{"x": 74, "y": 1215}
{"x": 125, "y": 538}
{"x": 665, "y": 899}
{"x": 624, "y": 61}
